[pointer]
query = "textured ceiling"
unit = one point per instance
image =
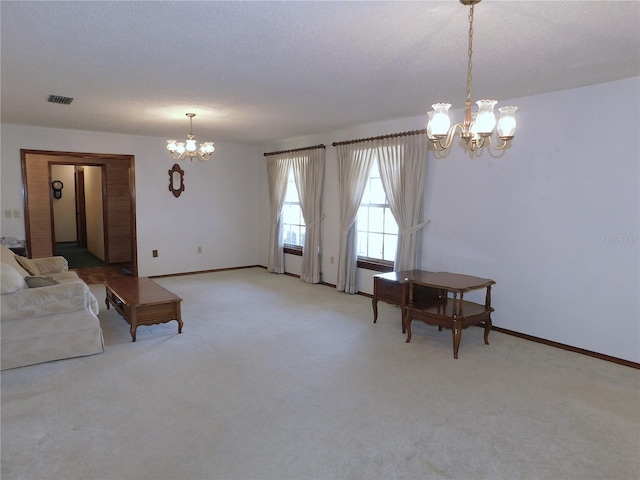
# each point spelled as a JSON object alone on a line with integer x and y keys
{"x": 260, "y": 71}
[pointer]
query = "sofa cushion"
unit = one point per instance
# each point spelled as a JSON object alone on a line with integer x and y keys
{"x": 12, "y": 280}
{"x": 48, "y": 265}
{"x": 28, "y": 265}
{"x": 9, "y": 258}
{"x": 36, "y": 282}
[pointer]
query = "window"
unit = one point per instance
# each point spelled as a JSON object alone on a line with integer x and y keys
{"x": 377, "y": 229}
{"x": 292, "y": 220}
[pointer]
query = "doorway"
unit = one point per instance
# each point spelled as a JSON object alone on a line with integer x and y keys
{"x": 78, "y": 220}
{"x": 117, "y": 187}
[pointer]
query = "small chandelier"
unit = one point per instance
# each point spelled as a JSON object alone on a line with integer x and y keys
{"x": 189, "y": 148}
{"x": 477, "y": 127}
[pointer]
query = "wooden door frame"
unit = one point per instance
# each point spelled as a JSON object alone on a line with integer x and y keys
{"x": 90, "y": 159}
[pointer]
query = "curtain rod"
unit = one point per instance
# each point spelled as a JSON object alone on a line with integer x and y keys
{"x": 295, "y": 150}
{"x": 392, "y": 135}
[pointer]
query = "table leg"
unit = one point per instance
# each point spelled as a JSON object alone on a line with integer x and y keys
{"x": 179, "y": 318}
{"x": 487, "y": 329}
{"x": 456, "y": 332}
{"x": 406, "y": 324}
{"x": 374, "y": 303}
{"x": 404, "y": 314}
{"x": 134, "y": 325}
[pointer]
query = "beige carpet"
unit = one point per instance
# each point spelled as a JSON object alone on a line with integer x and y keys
{"x": 276, "y": 379}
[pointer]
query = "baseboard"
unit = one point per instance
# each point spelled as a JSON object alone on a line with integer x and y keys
{"x": 204, "y": 271}
{"x": 582, "y": 351}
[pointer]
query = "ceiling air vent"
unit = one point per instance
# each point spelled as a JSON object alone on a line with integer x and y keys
{"x": 60, "y": 99}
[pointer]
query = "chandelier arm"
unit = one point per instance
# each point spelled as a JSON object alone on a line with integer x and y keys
{"x": 505, "y": 144}
{"x": 477, "y": 143}
{"x": 174, "y": 156}
{"x": 444, "y": 142}
{"x": 437, "y": 145}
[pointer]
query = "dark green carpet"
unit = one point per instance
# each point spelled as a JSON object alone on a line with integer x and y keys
{"x": 76, "y": 256}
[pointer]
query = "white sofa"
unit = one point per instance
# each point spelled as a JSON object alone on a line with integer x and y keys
{"x": 48, "y": 313}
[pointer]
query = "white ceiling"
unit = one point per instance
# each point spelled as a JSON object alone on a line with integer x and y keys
{"x": 260, "y": 71}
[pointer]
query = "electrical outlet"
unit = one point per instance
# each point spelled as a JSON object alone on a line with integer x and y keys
{"x": 154, "y": 253}
{"x": 7, "y": 213}
{"x": 16, "y": 214}
{"x": 199, "y": 249}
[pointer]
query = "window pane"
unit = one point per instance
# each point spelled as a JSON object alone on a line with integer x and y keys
{"x": 287, "y": 234}
{"x": 375, "y": 245}
{"x": 296, "y": 214}
{"x": 292, "y": 193}
{"x": 286, "y": 215}
{"x": 376, "y": 219}
{"x": 362, "y": 244}
{"x": 390, "y": 225}
{"x": 377, "y": 192}
{"x": 293, "y": 223}
{"x": 296, "y": 236}
{"x": 362, "y": 219}
{"x": 375, "y": 171}
{"x": 390, "y": 247}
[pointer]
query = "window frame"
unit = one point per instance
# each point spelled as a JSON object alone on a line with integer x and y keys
{"x": 370, "y": 263}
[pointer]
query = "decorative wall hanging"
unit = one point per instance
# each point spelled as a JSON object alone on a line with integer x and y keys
{"x": 176, "y": 180}
{"x": 57, "y": 186}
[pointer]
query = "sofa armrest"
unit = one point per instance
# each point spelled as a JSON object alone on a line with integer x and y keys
{"x": 51, "y": 264}
{"x": 37, "y": 302}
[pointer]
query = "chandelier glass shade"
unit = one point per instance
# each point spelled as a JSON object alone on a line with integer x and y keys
{"x": 477, "y": 129}
{"x": 189, "y": 148}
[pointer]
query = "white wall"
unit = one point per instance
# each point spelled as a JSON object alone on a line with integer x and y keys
{"x": 217, "y": 211}
{"x": 554, "y": 221}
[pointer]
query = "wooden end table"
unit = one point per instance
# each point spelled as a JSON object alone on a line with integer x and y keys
{"x": 452, "y": 313}
{"x": 393, "y": 288}
{"x": 141, "y": 301}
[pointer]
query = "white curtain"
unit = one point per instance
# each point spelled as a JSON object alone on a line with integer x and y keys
{"x": 354, "y": 164}
{"x": 308, "y": 171}
{"x": 278, "y": 172}
{"x": 402, "y": 162}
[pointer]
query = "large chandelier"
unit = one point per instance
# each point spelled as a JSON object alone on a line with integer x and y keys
{"x": 478, "y": 126}
{"x": 189, "y": 148}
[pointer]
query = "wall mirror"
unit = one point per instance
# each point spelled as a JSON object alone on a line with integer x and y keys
{"x": 176, "y": 180}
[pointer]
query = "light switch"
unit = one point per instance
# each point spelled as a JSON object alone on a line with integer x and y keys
{"x": 16, "y": 213}
{"x": 7, "y": 213}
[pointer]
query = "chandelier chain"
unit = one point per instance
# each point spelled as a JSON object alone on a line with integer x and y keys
{"x": 470, "y": 53}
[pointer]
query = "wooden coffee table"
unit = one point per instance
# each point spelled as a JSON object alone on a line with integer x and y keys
{"x": 141, "y": 301}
